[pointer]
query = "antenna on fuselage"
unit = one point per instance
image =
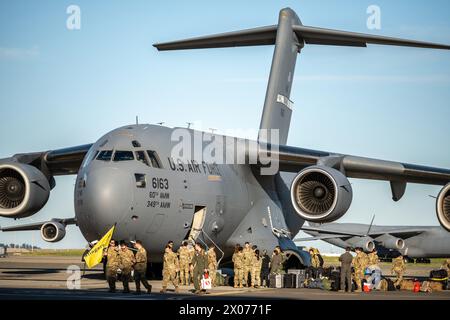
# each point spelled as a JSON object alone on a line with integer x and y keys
{"x": 160, "y": 123}
{"x": 189, "y": 124}
{"x": 137, "y": 120}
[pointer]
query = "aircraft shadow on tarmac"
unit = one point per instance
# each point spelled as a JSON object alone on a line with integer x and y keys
{"x": 30, "y": 271}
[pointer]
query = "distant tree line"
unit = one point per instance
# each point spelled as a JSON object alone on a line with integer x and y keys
{"x": 18, "y": 246}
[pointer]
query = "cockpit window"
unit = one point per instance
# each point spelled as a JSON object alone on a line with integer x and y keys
{"x": 105, "y": 155}
{"x": 123, "y": 156}
{"x": 140, "y": 156}
{"x": 156, "y": 163}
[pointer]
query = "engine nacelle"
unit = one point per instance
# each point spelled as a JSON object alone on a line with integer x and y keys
{"x": 24, "y": 190}
{"x": 53, "y": 231}
{"x": 321, "y": 194}
{"x": 443, "y": 207}
{"x": 366, "y": 243}
{"x": 391, "y": 242}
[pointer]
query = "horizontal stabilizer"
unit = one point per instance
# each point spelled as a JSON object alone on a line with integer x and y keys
{"x": 309, "y": 35}
{"x": 313, "y": 35}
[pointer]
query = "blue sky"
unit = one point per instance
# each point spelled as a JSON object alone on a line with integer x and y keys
{"x": 61, "y": 88}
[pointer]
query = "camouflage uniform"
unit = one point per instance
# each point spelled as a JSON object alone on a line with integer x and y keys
{"x": 373, "y": 259}
{"x": 360, "y": 263}
{"x": 185, "y": 259}
{"x": 238, "y": 262}
{"x": 170, "y": 268}
{"x": 191, "y": 253}
{"x": 127, "y": 261}
{"x": 140, "y": 269}
{"x": 248, "y": 259}
{"x": 112, "y": 265}
{"x": 398, "y": 267}
{"x": 200, "y": 263}
{"x": 315, "y": 261}
{"x": 212, "y": 265}
{"x": 256, "y": 271}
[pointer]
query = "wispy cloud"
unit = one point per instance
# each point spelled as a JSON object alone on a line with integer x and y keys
{"x": 433, "y": 78}
{"x": 18, "y": 53}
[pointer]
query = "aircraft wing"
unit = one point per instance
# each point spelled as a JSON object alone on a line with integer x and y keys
{"x": 329, "y": 233}
{"x": 335, "y": 233}
{"x": 400, "y": 233}
{"x": 38, "y": 225}
{"x": 293, "y": 159}
{"x": 57, "y": 162}
{"x": 324, "y": 237}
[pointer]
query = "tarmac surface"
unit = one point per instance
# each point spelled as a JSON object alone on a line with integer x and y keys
{"x": 47, "y": 278}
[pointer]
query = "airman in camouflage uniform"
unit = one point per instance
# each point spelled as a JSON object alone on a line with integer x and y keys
{"x": 140, "y": 268}
{"x": 398, "y": 268}
{"x": 127, "y": 261}
{"x": 212, "y": 264}
{"x": 185, "y": 259}
{"x": 315, "y": 261}
{"x": 277, "y": 261}
{"x": 360, "y": 263}
{"x": 238, "y": 261}
{"x": 170, "y": 268}
{"x": 248, "y": 259}
{"x": 373, "y": 258}
{"x": 199, "y": 267}
{"x": 256, "y": 269}
{"x": 191, "y": 252}
{"x": 112, "y": 264}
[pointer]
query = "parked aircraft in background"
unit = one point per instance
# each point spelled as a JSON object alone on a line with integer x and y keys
{"x": 421, "y": 243}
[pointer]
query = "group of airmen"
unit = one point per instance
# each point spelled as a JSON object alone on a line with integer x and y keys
{"x": 252, "y": 267}
{"x": 359, "y": 264}
{"x": 188, "y": 265}
{"x": 121, "y": 257}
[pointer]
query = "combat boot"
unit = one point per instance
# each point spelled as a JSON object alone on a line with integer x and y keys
{"x": 177, "y": 290}
{"x": 163, "y": 290}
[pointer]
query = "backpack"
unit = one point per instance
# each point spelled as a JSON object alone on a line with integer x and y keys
{"x": 439, "y": 274}
{"x": 390, "y": 284}
{"x": 326, "y": 284}
{"x": 407, "y": 285}
{"x": 384, "y": 285}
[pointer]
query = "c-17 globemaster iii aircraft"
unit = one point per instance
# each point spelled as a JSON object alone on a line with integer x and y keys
{"x": 131, "y": 176}
{"x": 414, "y": 242}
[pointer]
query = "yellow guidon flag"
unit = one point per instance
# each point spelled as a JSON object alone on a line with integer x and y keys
{"x": 95, "y": 255}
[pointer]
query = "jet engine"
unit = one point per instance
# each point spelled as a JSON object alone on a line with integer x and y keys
{"x": 391, "y": 242}
{"x": 53, "y": 231}
{"x": 366, "y": 243}
{"x": 443, "y": 207}
{"x": 24, "y": 190}
{"x": 321, "y": 194}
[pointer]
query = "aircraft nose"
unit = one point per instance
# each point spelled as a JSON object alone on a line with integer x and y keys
{"x": 108, "y": 195}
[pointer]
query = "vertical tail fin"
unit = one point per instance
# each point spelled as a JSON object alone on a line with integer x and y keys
{"x": 277, "y": 105}
{"x": 289, "y": 37}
